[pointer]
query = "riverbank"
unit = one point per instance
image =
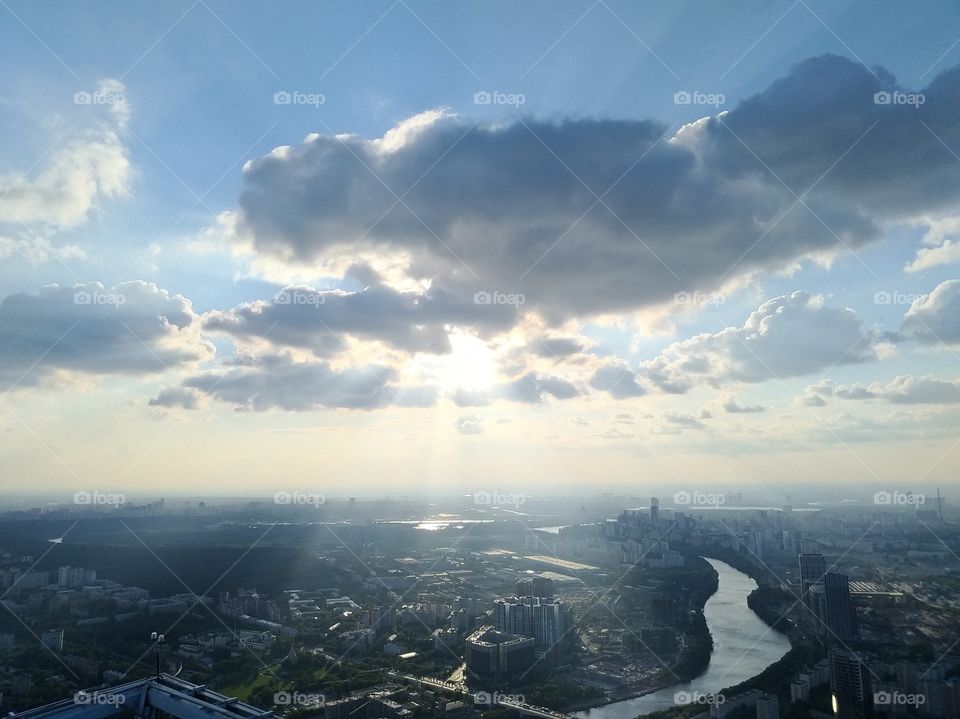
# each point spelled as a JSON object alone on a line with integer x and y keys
{"x": 697, "y": 582}
{"x": 746, "y": 649}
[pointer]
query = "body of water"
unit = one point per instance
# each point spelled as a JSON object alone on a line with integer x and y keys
{"x": 743, "y": 646}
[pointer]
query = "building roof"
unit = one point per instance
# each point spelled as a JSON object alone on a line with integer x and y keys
{"x": 168, "y": 694}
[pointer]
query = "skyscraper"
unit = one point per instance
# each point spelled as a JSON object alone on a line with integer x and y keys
{"x": 654, "y": 509}
{"x": 841, "y": 616}
{"x": 543, "y": 619}
{"x": 849, "y": 685}
{"x": 812, "y": 568}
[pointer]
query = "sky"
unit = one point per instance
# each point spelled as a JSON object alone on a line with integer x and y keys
{"x": 408, "y": 247}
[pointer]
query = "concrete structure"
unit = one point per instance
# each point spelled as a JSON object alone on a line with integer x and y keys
{"x": 812, "y": 568}
{"x": 841, "y": 617}
{"x": 545, "y": 620}
{"x": 851, "y": 694}
{"x": 492, "y": 653}
{"x": 153, "y": 697}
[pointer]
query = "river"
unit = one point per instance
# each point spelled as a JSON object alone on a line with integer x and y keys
{"x": 743, "y": 646}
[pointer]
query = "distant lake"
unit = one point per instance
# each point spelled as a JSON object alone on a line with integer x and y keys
{"x": 743, "y": 646}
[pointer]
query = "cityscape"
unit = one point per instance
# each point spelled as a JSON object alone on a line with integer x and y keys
{"x": 479, "y": 359}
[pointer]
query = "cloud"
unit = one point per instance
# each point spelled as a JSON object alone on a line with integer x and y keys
{"x": 280, "y": 382}
{"x": 935, "y": 318}
{"x": 132, "y": 328}
{"x": 556, "y": 347}
{"x": 492, "y": 206}
{"x": 469, "y": 424}
{"x": 176, "y": 397}
{"x": 322, "y": 320}
{"x": 732, "y": 406}
{"x": 788, "y": 336}
{"x": 903, "y": 389}
{"x": 531, "y": 388}
{"x": 942, "y": 247}
{"x": 92, "y": 167}
{"x": 618, "y": 381}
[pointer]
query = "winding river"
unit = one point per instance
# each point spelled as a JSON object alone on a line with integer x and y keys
{"x": 743, "y": 646}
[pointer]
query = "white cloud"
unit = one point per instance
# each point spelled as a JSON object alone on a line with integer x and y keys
{"x": 788, "y": 336}
{"x": 91, "y": 167}
{"x": 935, "y": 318}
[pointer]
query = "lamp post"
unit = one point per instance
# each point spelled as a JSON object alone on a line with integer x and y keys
{"x": 158, "y": 640}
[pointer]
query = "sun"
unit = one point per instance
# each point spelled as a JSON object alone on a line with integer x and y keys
{"x": 469, "y": 365}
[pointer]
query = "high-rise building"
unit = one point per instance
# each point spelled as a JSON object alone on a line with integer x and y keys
{"x": 812, "y": 568}
{"x": 546, "y": 620}
{"x": 768, "y": 706}
{"x": 849, "y": 685}
{"x": 535, "y": 587}
{"x": 492, "y": 653}
{"x": 654, "y": 509}
{"x": 840, "y": 614}
{"x": 53, "y": 639}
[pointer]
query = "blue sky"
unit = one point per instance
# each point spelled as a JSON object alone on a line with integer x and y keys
{"x": 133, "y": 193}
